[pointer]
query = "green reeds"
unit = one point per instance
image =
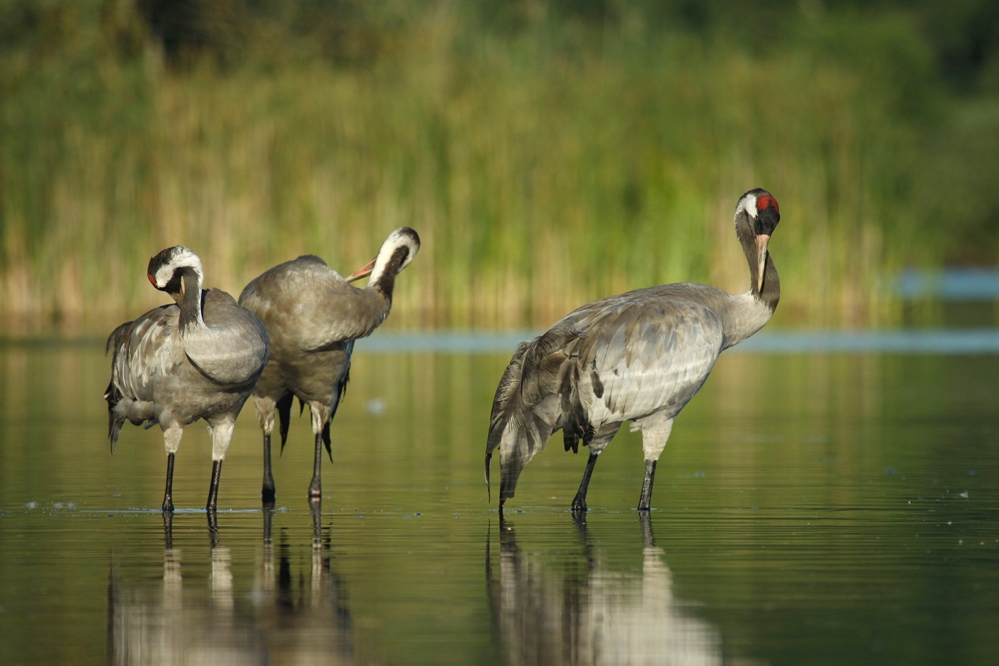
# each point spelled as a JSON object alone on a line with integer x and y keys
{"x": 541, "y": 173}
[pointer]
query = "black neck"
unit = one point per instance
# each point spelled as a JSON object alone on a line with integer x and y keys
{"x": 190, "y": 299}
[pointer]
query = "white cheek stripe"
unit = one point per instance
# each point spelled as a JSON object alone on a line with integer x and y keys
{"x": 184, "y": 259}
{"x": 163, "y": 276}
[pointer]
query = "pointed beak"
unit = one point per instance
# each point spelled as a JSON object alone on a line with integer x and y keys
{"x": 761, "y": 259}
{"x": 363, "y": 272}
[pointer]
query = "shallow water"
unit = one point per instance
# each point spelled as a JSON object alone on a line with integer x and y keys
{"x": 821, "y": 508}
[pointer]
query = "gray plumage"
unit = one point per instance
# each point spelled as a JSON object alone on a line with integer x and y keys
{"x": 196, "y": 359}
{"x": 639, "y": 356}
{"x": 314, "y": 315}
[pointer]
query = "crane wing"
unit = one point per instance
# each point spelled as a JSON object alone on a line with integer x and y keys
{"x": 639, "y": 356}
{"x": 144, "y": 350}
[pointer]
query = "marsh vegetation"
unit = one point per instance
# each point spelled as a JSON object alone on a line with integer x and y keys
{"x": 549, "y": 153}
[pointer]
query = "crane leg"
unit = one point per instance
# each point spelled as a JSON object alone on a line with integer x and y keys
{"x": 655, "y": 434}
{"x": 213, "y": 490}
{"x": 650, "y": 476}
{"x": 267, "y": 492}
{"x": 213, "y": 530}
{"x": 265, "y": 406}
{"x": 168, "y": 530}
{"x": 579, "y": 502}
{"x": 648, "y": 541}
{"x": 316, "y": 487}
{"x": 168, "y": 492}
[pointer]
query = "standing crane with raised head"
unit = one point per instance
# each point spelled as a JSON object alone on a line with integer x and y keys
{"x": 314, "y": 316}
{"x": 196, "y": 359}
{"x": 639, "y": 356}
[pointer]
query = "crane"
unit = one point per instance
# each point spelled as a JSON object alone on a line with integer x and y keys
{"x": 198, "y": 358}
{"x": 638, "y": 356}
{"x": 314, "y": 316}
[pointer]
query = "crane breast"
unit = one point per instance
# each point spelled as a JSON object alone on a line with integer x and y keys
{"x": 233, "y": 347}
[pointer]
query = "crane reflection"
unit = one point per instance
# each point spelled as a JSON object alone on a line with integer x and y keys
{"x": 296, "y": 611}
{"x": 590, "y": 614}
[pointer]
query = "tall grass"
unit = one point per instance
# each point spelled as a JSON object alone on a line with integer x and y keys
{"x": 542, "y": 169}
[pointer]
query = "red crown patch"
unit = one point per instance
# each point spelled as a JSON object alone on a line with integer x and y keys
{"x": 764, "y": 202}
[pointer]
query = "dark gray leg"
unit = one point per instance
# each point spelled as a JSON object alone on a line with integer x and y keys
{"x": 316, "y": 509}
{"x": 647, "y": 540}
{"x": 268, "y": 518}
{"x": 213, "y": 529}
{"x": 316, "y": 487}
{"x": 168, "y": 492}
{"x": 650, "y": 477}
{"x": 168, "y": 529}
{"x": 579, "y": 502}
{"x": 267, "y": 493}
{"x": 213, "y": 490}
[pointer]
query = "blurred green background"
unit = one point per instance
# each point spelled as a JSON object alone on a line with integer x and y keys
{"x": 549, "y": 152}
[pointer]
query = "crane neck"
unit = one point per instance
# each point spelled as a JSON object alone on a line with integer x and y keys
{"x": 190, "y": 300}
{"x": 744, "y": 314}
{"x": 386, "y": 268}
{"x": 770, "y": 294}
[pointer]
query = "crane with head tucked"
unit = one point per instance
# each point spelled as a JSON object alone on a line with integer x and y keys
{"x": 198, "y": 358}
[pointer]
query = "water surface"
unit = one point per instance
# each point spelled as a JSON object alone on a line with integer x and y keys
{"x": 811, "y": 507}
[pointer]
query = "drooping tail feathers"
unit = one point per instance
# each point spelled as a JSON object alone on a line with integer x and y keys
{"x": 284, "y": 416}
{"x": 114, "y": 422}
{"x": 115, "y": 341}
{"x": 512, "y": 427}
{"x": 326, "y": 440}
{"x": 286, "y": 401}
{"x": 527, "y": 407}
{"x": 341, "y": 391}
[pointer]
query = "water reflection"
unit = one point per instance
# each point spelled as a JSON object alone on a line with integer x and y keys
{"x": 295, "y": 612}
{"x": 586, "y": 613}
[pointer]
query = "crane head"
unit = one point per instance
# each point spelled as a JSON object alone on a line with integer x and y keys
{"x": 165, "y": 269}
{"x": 756, "y": 217}
{"x": 396, "y": 253}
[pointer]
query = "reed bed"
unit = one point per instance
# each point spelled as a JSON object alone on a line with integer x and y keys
{"x": 541, "y": 171}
